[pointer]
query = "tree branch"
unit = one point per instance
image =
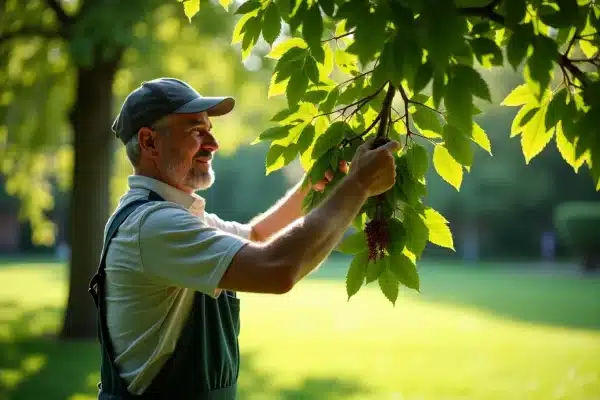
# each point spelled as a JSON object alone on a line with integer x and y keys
{"x": 489, "y": 13}
{"x": 60, "y": 13}
{"x": 338, "y": 37}
{"x": 30, "y": 32}
{"x": 386, "y": 109}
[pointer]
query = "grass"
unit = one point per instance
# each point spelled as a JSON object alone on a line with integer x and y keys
{"x": 472, "y": 333}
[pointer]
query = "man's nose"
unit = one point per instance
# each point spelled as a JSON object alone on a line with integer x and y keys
{"x": 210, "y": 143}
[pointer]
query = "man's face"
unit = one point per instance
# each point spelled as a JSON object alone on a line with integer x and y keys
{"x": 186, "y": 152}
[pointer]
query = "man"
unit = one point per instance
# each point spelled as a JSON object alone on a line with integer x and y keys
{"x": 166, "y": 286}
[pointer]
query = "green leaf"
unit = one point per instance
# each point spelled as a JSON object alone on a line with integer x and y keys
{"x": 284, "y": 46}
{"x": 271, "y": 26}
{"x": 191, "y": 8}
{"x": 417, "y": 232}
{"x": 487, "y": 52}
{"x": 306, "y": 138}
{"x": 312, "y": 27}
{"x": 567, "y": 149}
{"x": 423, "y": 76}
{"x": 296, "y": 87}
{"x": 356, "y": 274}
{"x": 447, "y": 167}
{"x": 439, "y": 231}
{"x": 538, "y": 69}
{"x": 398, "y": 236}
{"x": 442, "y": 30}
{"x": 481, "y": 138}
{"x": 418, "y": 160}
{"x": 389, "y": 285}
{"x": 405, "y": 270}
{"x": 375, "y": 268}
{"x": 354, "y": 243}
{"x": 248, "y": 6}
{"x": 279, "y": 156}
{"x": 535, "y": 136}
{"x": 240, "y": 28}
{"x": 522, "y": 94}
{"x": 328, "y": 7}
{"x": 330, "y": 101}
{"x": 459, "y": 102}
{"x": 331, "y": 138}
{"x": 311, "y": 69}
{"x": 273, "y": 133}
{"x": 473, "y": 81}
{"x": 522, "y": 118}
{"x": 556, "y": 108}
{"x": 518, "y": 45}
{"x": 458, "y": 145}
{"x": 427, "y": 122}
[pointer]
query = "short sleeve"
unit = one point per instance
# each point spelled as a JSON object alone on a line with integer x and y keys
{"x": 179, "y": 248}
{"x": 235, "y": 228}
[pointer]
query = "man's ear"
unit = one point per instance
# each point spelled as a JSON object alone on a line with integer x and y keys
{"x": 147, "y": 141}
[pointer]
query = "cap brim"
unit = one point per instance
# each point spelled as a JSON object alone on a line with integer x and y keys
{"x": 214, "y": 106}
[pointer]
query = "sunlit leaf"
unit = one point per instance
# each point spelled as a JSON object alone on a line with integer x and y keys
{"x": 447, "y": 167}
{"x": 389, "y": 285}
{"x": 439, "y": 231}
{"x": 481, "y": 138}
{"x": 355, "y": 276}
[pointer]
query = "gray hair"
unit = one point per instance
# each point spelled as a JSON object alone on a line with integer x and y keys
{"x": 132, "y": 147}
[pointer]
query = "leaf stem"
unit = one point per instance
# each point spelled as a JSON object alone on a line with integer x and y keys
{"x": 339, "y": 36}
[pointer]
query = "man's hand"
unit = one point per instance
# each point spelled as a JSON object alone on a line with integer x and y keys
{"x": 374, "y": 170}
{"x": 320, "y": 185}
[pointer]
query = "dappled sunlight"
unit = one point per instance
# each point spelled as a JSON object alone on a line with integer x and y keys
{"x": 312, "y": 343}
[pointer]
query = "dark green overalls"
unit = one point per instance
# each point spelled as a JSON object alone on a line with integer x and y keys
{"x": 205, "y": 364}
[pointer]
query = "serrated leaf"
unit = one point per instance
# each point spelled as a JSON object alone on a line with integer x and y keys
{"x": 588, "y": 48}
{"x": 273, "y": 133}
{"x": 473, "y": 81}
{"x": 447, "y": 167}
{"x": 514, "y": 11}
{"x": 247, "y": 6}
{"x": 271, "y": 26}
{"x": 355, "y": 276}
{"x": 416, "y": 231}
{"x": 518, "y": 45}
{"x": 520, "y": 95}
{"x": 306, "y": 138}
{"x": 481, "y": 138}
{"x": 567, "y": 149}
{"x": 522, "y": 119}
{"x": 458, "y": 145}
{"x": 535, "y": 136}
{"x": 296, "y": 87}
{"x": 423, "y": 76}
{"x": 354, "y": 243}
{"x": 459, "y": 104}
{"x": 487, "y": 52}
{"x": 277, "y": 88}
{"x": 427, "y": 122}
{"x": 418, "y": 160}
{"x": 191, "y": 8}
{"x": 312, "y": 27}
{"x": 331, "y": 138}
{"x": 237, "y": 35}
{"x": 538, "y": 69}
{"x": 439, "y": 231}
{"x": 398, "y": 236}
{"x": 405, "y": 270}
{"x": 279, "y": 156}
{"x": 389, "y": 285}
{"x": 284, "y": 46}
{"x": 556, "y": 108}
{"x": 311, "y": 69}
{"x": 375, "y": 268}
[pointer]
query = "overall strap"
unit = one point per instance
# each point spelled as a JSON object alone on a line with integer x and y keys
{"x": 97, "y": 290}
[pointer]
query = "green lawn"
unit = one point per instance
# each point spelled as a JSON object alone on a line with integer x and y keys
{"x": 473, "y": 333}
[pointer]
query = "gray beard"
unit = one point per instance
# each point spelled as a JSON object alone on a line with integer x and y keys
{"x": 195, "y": 178}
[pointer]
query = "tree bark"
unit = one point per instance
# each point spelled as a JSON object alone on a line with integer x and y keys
{"x": 93, "y": 148}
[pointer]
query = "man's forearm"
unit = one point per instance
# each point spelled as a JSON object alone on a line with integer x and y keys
{"x": 308, "y": 241}
{"x": 284, "y": 212}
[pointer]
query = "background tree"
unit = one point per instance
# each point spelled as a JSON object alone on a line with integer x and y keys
{"x": 65, "y": 67}
{"x": 410, "y": 70}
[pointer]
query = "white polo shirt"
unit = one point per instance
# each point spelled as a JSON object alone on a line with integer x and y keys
{"x": 161, "y": 255}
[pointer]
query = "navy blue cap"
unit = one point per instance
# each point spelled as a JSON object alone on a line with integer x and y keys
{"x": 159, "y": 97}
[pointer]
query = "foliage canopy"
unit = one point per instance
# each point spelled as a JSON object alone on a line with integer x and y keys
{"x": 409, "y": 70}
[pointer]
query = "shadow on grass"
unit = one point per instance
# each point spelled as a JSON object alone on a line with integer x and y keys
{"x": 35, "y": 365}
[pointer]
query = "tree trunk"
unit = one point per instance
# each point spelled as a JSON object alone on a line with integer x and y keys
{"x": 93, "y": 148}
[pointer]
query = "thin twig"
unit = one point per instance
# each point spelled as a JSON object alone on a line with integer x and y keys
{"x": 339, "y": 36}
{"x": 385, "y": 110}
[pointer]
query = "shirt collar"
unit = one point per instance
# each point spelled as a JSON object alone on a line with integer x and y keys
{"x": 192, "y": 202}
